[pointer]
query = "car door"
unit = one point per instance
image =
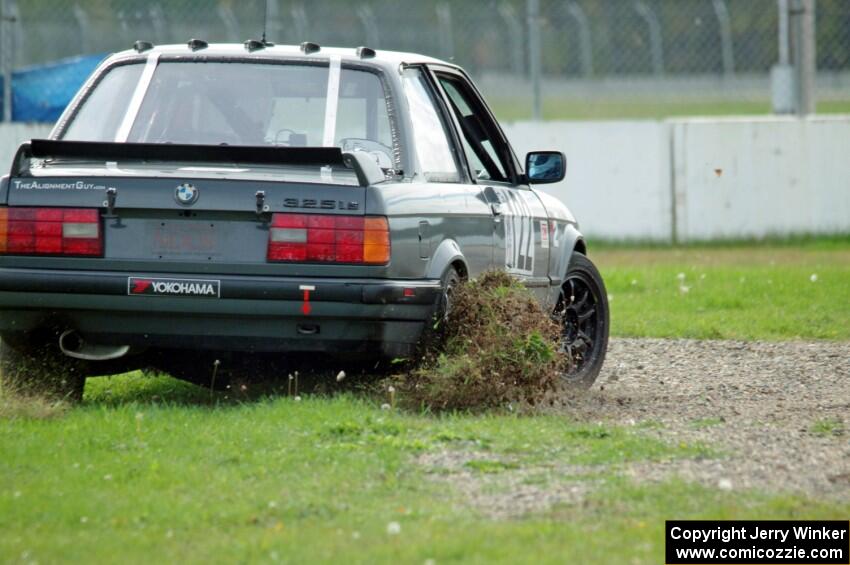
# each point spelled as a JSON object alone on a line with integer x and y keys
{"x": 449, "y": 210}
{"x": 520, "y": 223}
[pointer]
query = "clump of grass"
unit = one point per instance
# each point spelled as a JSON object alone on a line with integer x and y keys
{"x": 827, "y": 427}
{"x": 703, "y": 423}
{"x": 490, "y": 466}
{"x": 497, "y": 348}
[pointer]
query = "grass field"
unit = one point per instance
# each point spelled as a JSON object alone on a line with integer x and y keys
{"x": 132, "y": 479}
{"x": 511, "y": 109}
{"x": 151, "y": 469}
{"x": 737, "y": 291}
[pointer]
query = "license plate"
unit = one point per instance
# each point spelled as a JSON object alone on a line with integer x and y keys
{"x": 190, "y": 288}
{"x": 184, "y": 239}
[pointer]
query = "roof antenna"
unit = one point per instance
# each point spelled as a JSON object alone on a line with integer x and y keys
{"x": 265, "y": 19}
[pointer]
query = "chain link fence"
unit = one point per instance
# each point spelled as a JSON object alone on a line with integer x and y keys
{"x": 600, "y": 58}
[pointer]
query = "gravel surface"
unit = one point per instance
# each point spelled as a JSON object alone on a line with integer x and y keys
{"x": 778, "y": 414}
{"x": 507, "y": 494}
{"x": 779, "y": 411}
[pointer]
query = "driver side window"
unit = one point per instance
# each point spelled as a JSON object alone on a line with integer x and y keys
{"x": 478, "y": 133}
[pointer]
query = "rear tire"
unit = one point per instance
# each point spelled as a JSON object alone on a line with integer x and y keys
{"x": 450, "y": 282}
{"x": 435, "y": 326}
{"x": 31, "y": 367}
{"x": 582, "y": 313}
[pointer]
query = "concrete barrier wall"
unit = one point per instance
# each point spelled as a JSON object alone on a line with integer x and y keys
{"x": 12, "y": 135}
{"x": 737, "y": 178}
{"x": 618, "y": 174}
{"x": 688, "y": 179}
{"x": 697, "y": 179}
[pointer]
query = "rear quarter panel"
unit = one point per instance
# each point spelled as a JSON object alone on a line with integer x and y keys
{"x": 433, "y": 224}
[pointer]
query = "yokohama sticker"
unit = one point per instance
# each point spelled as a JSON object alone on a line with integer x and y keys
{"x": 193, "y": 288}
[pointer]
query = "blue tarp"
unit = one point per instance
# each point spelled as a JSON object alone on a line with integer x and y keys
{"x": 41, "y": 92}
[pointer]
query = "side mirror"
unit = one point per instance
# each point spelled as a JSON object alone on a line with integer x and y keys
{"x": 544, "y": 167}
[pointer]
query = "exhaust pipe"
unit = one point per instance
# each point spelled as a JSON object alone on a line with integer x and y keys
{"x": 73, "y": 345}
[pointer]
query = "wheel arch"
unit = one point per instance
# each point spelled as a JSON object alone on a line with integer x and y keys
{"x": 461, "y": 269}
{"x": 572, "y": 242}
{"x": 580, "y": 246}
{"x": 447, "y": 254}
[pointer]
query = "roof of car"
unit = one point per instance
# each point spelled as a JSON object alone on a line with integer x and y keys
{"x": 381, "y": 57}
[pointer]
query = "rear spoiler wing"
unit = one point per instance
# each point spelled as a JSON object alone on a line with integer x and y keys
{"x": 367, "y": 170}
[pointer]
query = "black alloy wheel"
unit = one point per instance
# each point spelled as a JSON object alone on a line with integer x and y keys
{"x": 582, "y": 314}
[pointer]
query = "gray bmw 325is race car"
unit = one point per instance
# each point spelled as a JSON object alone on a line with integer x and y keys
{"x": 270, "y": 199}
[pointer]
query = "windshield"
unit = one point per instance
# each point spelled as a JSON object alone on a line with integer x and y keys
{"x": 238, "y": 103}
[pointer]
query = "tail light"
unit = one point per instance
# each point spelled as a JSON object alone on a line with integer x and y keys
{"x": 329, "y": 239}
{"x": 50, "y": 231}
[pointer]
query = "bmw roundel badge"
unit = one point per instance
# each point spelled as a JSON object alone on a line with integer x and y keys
{"x": 186, "y": 194}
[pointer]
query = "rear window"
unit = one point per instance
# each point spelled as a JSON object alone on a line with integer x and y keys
{"x": 100, "y": 117}
{"x": 239, "y": 103}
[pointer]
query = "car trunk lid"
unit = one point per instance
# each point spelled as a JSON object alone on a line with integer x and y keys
{"x": 207, "y": 211}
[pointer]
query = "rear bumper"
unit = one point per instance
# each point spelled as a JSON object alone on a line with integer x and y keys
{"x": 250, "y": 314}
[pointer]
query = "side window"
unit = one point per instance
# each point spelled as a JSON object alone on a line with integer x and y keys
{"x": 433, "y": 149}
{"x": 478, "y": 132}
